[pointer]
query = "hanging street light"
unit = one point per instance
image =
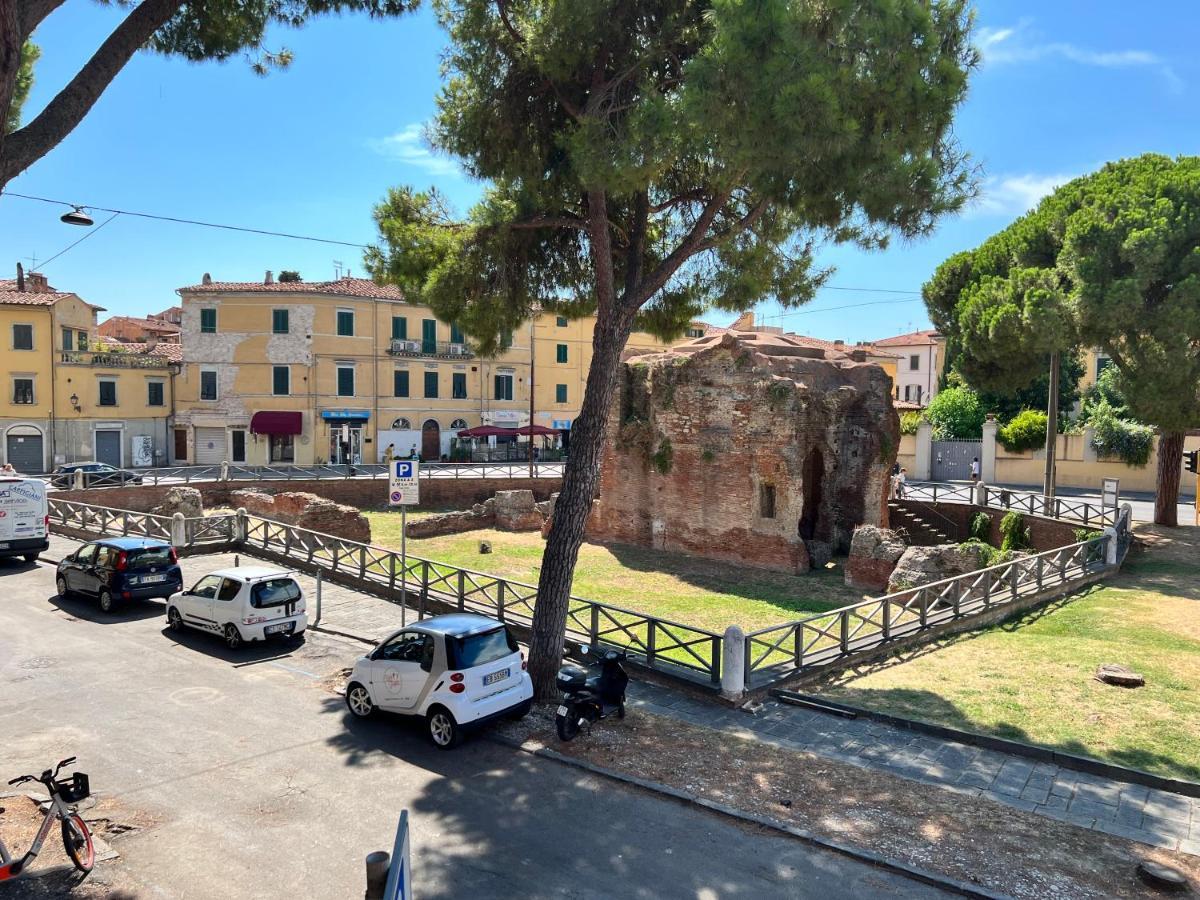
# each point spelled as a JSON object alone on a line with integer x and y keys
{"x": 77, "y": 217}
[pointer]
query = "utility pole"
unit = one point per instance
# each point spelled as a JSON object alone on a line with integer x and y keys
{"x": 532, "y": 354}
{"x": 1051, "y": 429}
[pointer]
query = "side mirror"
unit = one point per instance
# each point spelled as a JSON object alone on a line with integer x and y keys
{"x": 584, "y": 649}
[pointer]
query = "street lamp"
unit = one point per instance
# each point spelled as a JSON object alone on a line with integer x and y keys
{"x": 77, "y": 217}
{"x": 74, "y": 400}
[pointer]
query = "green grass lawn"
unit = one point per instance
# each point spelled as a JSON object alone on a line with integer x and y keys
{"x": 1030, "y": 679}
{"x": 684, "y": 589}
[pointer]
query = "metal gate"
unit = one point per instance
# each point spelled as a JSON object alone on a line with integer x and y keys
{"x": 24, "y": 451}
{"x": 951, "y": 460}
{"x": 210, "y": 446}
{"x": 108, "y": 448}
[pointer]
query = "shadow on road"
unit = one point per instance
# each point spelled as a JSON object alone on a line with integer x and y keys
{"x": 249, "y": 653}
{"x": 88, "y": 608}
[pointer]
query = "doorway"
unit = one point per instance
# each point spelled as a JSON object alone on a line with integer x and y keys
{"x": 108, "y": 447}
{"x": 238, "y": 438}
{"x": 351, "y": 437}
{"x": 811, "y": 474}
{"x": 180, "y": 444}
{"x": 23, "y": 449}
{"x": 431, "y": 441}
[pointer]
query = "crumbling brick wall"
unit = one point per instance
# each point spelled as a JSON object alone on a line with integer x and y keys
{"x": 306, "y": 511}
{"x": 750, "y": 448}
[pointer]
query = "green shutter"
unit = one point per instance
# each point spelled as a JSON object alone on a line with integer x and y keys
{"x": 431, "y": 384}
{"x": 429, "y": 336}
{"x": 282, "y": 381}
{"x": 400, "y": 383}
{"x": 561, "y": 353}
{"x": 345, "y": 381}
{"x": 208, "y": 321}
{"x": 399, "y": 328}
{"x": 279, "y": 321}
{"x": 459, "y": 386}
{"x": 456, "y": 335}
{"x": 345, "y": 323}
{"x": 560, "y": 393}
{"x": 562, "y": 322}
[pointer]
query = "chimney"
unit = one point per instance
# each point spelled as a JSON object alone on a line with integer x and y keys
{"x": 38, "y": 283}
{"x": 839, "y": 343}
{"x": 207, "y": 279}
{"x": 20, "y": 278}
{"x": 270, "y": 278}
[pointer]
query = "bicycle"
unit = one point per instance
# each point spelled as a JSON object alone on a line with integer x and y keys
{"x": 77, "y": 839}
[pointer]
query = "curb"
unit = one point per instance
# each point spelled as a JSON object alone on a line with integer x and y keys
{"x": 962, "y": 888}
{"x": 1085, "y": 764}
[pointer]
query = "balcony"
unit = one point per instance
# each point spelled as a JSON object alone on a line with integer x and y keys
{"x": 443, "y": 349}
{"x": 110, "y": 360}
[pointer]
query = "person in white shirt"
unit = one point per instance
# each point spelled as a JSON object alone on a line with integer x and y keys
{"x": 975, "y": 469}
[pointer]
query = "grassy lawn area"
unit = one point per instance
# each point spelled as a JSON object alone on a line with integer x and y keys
{"x": 684, "y": 589}
{"x": 1030, "y": 679}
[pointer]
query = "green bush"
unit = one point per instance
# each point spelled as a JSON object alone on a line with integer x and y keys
{"x": 988, "y": 554}
{"x": 956, "y": 414}
{"x": 980, "y": 527}
{"x": 663, "y": 457}
{"x": 909, "y": 422}
{"x": 1027, "y": 431}
{"x": 1087, "y": 534}
{"x": 1014, "y": 531}
{"x": 1116, "y": 438}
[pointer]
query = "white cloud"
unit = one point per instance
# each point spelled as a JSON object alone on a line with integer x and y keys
{"x": 408, "y": 146}
{"x": 1015, "y": 44}
{"x": 1012, "y": 195}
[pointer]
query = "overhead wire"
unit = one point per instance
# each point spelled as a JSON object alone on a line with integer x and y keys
{"x": 69, "y": 246}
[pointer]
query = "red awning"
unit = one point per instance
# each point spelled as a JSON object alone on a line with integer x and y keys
{"x": 540, "y": 430}
{"x": 277, "y": 422}
{"x": 485, "y": 431}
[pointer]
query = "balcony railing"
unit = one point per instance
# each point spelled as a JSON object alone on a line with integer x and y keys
{"x": 111, "y": 360}
{"x": 430, "y": 348}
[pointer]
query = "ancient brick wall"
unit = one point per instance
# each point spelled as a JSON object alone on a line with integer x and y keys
{"x": 1044, "y": 534}
{"x": 753, "y": 451}
{"x": 306, "y": 510}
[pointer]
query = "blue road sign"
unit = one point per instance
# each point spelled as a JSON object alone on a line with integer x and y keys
{"x": 399, "y": 883}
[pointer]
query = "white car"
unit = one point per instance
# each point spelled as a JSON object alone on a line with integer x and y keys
{"x": 248, "y": 603}
{"x": 458, "y": 671}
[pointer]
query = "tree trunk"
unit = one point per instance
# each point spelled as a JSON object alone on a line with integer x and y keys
{"x": 1170, "y": 466}
{"x": 574, "y": 503}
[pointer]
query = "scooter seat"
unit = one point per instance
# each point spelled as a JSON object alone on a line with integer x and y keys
{"x": 593, "y": 682}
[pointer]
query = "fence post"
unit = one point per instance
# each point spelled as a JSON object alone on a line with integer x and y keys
{"x": 844, "y": 629}
{"x": 378, "y": 864}
{"x": 1110, "y": 546}
{"x": 178, "y": 530}
{"x": 733, "y": 663}
{"x": 224, "y": 473}
{"x": 241, "y": 526}
{"x": 650, "y": 642}
{"x": 320, "y": 585}
{"x": 424, "y": 588}
{"x": 124, "y": 523}
{"x": 887, "y": 621}
{"x": 1013, "y": 577}
{"x": 462, "y": 576}
{"x": 80, "y": 484}
{"x": 500, "y": 599}
{"x": 1039, "y": 572}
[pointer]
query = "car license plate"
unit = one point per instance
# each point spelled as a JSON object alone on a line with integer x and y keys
{"x": 153, "y": 579}
{"x": 562, "y": 710}
{"x": 3, "y": 545}
{"x": 277, "y": 629}
{"x": 493, "y": 677}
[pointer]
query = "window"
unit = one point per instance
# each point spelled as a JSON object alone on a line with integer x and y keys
{"x": 208, "y": 321}
{"x": 431, "y": 384}
{"x": 456, "y": 335}
{"x": 504, "y": 387}
{"x": 405, "y": 647}
{"x": 458, "y": 386}
{"x": 279, "y": 321}
{"x": 68, "y": 341}
{"x": 458, "y": 424}
{"x": 276, "y": 592}
{"x": 208, "y": 384}
{"x": 401, "y": 424}
{"x": 345, "y": 381}
{"x": 22, "y": 390}
{"x": 766, "y": 501}
{"x": 82, "y": 343}
{"x": 229, "y": 590}
{"x": 506, "y": 340}
{"x": 560, "y": 393}
{"x": 560, "y": 353}
{"x": 399, "y": 328}
{"x": 914, "y": 362}
{"x": 345, "y": 323}
{"x": 22, "y": 336}
{"x": 206, "y": 587}
{"x": 154, "y": 393}
{"x": 283, "y": 448}
{"x": 480, "y": 649}
{"x": 281, "y": 380}
{"x": 912, "y": 393}
{"x": 561, "y": 322}
{"x": 429, "y": 335}
{"x": 108, "y": 393}
{"x": 1102, "y": 363}
{"x": 400, "y": 383}
{"x": 694, "y": 332}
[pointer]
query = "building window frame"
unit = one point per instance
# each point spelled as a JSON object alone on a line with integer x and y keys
{"x": 560, "y": 393}
{"x": 151, "y": 399}
{"x": 560, "y": 353}
{"x": 429, "y": 335}
{"x": 458, "y": 385}
{"x": 560, "y": 321}
{"x": 340, "y": 385}
{"x": 766, "y": 501}
{"x": 345, "y": 322}
{"x": 208, "y": 320}
{"x": 109, "y": 397}
{"x": 286, "y": 373}
{"x": 456, "y": 334}
{"x": 209, "y": 378}
{"x": 431, "y": 385}
{"x": 27, "y": 331}
{"x": 68, "y": 339}
{"x": 503, "y": 385}
{"x": 399, "y": 328}
{"x": 914, "y": 362}
{"x": 281, "y": 321}
{"x": 81, "y": 341}
{"x": 22, "y": 396}
{"x": 401, "y": 383}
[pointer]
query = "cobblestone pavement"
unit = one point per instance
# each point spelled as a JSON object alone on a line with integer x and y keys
{"x": 1129, "y": 811}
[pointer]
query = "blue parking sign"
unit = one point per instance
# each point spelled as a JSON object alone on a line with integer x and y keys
{"x": 399, "y": 883}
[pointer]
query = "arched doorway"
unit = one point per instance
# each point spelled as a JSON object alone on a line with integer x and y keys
{"x": 431, "y": 441}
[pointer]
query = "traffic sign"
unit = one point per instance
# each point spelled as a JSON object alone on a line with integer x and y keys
{"x": 399, "y": 883}
{"x": 404, "y": 482}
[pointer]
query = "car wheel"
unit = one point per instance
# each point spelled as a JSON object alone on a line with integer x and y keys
{"x": 31, "y": 558}
{"x": 233, "y": 637}
{"x": 443, "y": 730}
{"x": 107, "y": 603}
{"x": 358, "y": 700}
{"x": 520, "y": 712}
{"x": 60, "y": 584}
{"x": 174, "y": 620}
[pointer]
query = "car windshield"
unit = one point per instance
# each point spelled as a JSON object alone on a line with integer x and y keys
{"x": 480, "y": 649}
{"x": 144, "y": 557}
{"x": 275, "y": 592}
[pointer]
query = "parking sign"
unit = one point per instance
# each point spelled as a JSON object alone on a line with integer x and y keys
{"x": 404, "y": 483}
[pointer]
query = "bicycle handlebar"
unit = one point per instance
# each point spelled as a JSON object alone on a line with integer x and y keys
{"x": 23, "y": 778}
{"x": 65, "y": 762}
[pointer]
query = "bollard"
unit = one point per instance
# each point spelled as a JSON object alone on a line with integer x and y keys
{"x": 78, "y": 479}
{"x": 224, "y": 470}
{"x": 320, "y": 583}
{"x": 1110, "y": 546}
{"x": 733, "y": 663}
{"x": 378, "y": 864}
{"x": 241, "y": 526}
{"x": 178, "y": 530}
{"x": 237, "y": 561}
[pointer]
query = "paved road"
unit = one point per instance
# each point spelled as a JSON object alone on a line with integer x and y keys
{"x": 248, "y": 779}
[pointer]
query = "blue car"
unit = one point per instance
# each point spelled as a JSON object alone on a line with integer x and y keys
{"x": 120, "y": 568}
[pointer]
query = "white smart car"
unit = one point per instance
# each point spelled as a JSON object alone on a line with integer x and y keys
{"x": 458, "y": 671}
{"x": 247, "y": 603}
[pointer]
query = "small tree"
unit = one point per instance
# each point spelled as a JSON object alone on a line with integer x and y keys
{"x": 956, "y": 414}
{"x": 1107, "y": 261}
{"x": 289, "y": 276}
{"x": 648, "y": 160}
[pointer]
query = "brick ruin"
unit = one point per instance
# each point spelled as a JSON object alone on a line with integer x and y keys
{"x": 747, "y": 447}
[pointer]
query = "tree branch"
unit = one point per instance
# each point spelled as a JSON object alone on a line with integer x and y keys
{"x": 600, "y": 245}
{"x": 27, "y": 145}
{"x": 687, "y": 247}
{"x": 33, "y": 12}
{"x": 502, "y": 8}
{"x": 636, "y": 256}
{"x": 742, "y": 224}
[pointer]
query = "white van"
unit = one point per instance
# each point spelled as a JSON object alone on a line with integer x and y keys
{"x": 24, "y": 518}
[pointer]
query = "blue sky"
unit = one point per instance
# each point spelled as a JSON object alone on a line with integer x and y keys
{"x": 1063, "y": 88}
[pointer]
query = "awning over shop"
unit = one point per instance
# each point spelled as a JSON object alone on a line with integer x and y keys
{"x": 277, "y": 422}
{"x": 538, "y": 430}
{"x": 486, "y": 431}
{"x": 345, "y": 415}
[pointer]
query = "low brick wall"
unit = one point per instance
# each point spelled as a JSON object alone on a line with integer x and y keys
{"x": 365, "y": 493}
{"x": 1044, "y": 534}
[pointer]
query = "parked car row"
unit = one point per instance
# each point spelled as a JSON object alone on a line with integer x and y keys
{"x": 95, "y": 474}
{"x": 457, "y": 672}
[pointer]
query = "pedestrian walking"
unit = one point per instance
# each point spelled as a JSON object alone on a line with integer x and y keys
{"x": 975, "y": 469}
{"x": 901, "y": 481}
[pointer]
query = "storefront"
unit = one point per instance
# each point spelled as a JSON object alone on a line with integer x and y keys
{"x": 281, "y": 428}
{"x": 347, "y": 434}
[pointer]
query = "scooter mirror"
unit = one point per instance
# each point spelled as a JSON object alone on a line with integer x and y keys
{"x": 584, "y": 649}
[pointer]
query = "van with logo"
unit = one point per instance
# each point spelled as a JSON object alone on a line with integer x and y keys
{"x": 24, "y": 518}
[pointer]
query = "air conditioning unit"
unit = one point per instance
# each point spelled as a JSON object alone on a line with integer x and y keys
{"x": 406, "y": 346}
{"x": 459, "y": 350}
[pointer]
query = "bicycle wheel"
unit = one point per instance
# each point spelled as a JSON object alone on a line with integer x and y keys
{"x": 78, "y": 842}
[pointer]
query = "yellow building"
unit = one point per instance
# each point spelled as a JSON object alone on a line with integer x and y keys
{"x": 69, "y": 399}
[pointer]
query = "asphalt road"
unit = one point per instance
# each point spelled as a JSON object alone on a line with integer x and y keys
{"x": 246, "y": 778}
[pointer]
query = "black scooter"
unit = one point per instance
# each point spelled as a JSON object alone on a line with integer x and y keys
{"x": 589, "y": 698}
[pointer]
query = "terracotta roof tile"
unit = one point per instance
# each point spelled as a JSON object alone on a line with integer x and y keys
{"x": 169, "y": 352}
{"x": 148, "y": 324}
{"x": 343, "y": 287}
{"x": 27, "y": 298}
{"x": 913, "y": 338}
